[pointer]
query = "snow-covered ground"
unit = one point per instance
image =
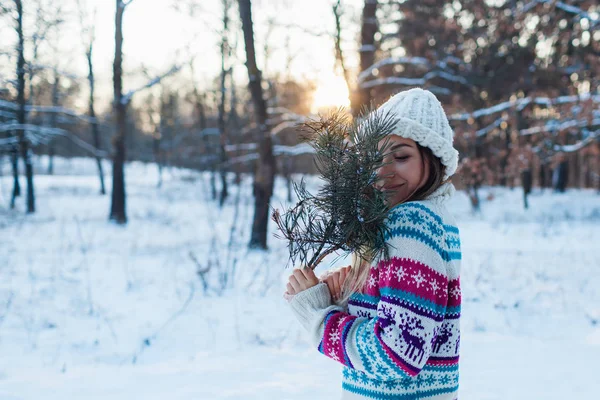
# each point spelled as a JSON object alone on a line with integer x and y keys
{"x": 92, "y": 310}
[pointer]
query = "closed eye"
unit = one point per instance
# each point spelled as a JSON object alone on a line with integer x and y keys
{"x": 402, "y": 158}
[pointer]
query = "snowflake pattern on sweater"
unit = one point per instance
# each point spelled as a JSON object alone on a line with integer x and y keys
{"x": 400, "y": 338}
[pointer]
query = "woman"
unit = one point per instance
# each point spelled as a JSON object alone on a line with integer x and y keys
{"x": 396, "y": 323}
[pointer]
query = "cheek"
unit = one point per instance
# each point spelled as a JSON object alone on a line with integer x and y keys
{"x": 417, "y": 171}
{"x": 411, "y": 171}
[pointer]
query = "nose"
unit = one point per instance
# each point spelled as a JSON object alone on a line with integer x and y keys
{"x": 384, "y": 172}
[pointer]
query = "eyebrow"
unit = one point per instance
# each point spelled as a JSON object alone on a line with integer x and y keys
{"x": 398, "y": 145}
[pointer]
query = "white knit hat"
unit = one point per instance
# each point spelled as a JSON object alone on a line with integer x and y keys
{"x": 419, "y": 116}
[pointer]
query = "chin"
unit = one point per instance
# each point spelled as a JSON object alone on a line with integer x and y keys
{"x": 394, "y": 202}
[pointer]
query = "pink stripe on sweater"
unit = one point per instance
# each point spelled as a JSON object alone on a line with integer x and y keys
{"x": 332, "y": 336}
{"x": 454, "y": 293}
{"x": 442, "y": 361}
{"x": 414, "y": 277}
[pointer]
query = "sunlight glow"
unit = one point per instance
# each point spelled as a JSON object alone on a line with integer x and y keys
{"x": 331, "y": 92}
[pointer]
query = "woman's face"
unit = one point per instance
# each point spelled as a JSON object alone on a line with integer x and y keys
{"x": 404, "y": 171}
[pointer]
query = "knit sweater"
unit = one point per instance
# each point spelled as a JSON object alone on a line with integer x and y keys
{"x": 400, "y": 337}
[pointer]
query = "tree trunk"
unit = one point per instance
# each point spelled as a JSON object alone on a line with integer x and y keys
{"x": 368, "y": 29}
{"x": 543, "y": 175}
{"x": 23, "y": 142}
{"x": 527, "y": 182}
{"x": 288, "y": 168}
{"x": 264, "y": 175}
{"x": 157, "y": 158}
{"x": 504, "y": 159}
{"x": 339, "y": 54}
{"x": 117, "y": 209}
{"x": 221, "y": 119}
{"x": 201, "y": 114}
{"x": 234, "y": 125}
{"x": 14, "y": 160}
{"x": 561, "y": 176}
{"x": 473, "y": 193}
{"x": 53, "y": 123}
{"x": 92, "y": 112}
{"x": 50, "y": 158}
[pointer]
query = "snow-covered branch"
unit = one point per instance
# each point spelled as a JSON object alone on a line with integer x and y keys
{"x": 576, "y": 11}
{"x": 37, "y": 135}
{"x": 9, "y": 105}
{"x": 60, "y": 110}
{"x": 241, "y": 146}
{"x": 9, "y": 141}
{"x": 555, "y": 126}
{"x": 210, "y": 132}
{"x": 287, "y": 125}
{"x": 126, "y": 98}
{"x": 487, "y": 129}
{"x": 124, "y": 3}
{"x": 520, "y": 104}
{"x": 443, "y": 64}
{"x": 395, "y": 80}
{"x": 44, "y": 109}
{"x": 301, "y": 148}
{"x": 570, "y": 148}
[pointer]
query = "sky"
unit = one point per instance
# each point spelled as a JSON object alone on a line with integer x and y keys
{"x": 156, "y": 36}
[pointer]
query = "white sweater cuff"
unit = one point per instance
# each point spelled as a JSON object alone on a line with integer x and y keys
{"x": 311, "y": 306}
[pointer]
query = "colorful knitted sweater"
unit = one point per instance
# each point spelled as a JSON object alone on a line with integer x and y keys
{"x": 399, "y": 339}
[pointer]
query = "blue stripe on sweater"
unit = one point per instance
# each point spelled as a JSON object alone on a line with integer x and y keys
{"x": 411, "y": 204}
{"x": 408, "y": 232}
{"x": 372, "y": 394}
{"x": 411, "y": 298}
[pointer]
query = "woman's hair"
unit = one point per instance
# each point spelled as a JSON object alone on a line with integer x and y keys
{"x": 436, "y": 175}
{"x": 361, "y": 267}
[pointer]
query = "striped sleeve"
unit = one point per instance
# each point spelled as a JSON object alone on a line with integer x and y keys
{"x": 412, "y": 287}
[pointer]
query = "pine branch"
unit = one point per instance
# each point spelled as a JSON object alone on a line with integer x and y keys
{"x": 348, "y": 212}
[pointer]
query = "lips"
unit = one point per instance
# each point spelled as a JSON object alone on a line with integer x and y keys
{"x": 391, "y": 188}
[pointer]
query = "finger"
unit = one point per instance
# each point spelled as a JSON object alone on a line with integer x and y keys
{"x": 310, "y": 276}
{"x": 290, "y": 289}
{"x": 295, "y": 284}
{"x": 299, "y": 275}
{"x": 300, "y": 278}
{"x": 304, "y": 271}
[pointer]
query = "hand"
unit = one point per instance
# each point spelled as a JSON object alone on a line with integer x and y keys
{"x": 301, "y": 279}
{"x": 335, "y": 280}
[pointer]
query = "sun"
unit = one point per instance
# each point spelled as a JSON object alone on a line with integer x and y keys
{"x": 331, "y": 92}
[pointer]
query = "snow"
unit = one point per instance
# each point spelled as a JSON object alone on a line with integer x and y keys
{"x": 90, "y": 309}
